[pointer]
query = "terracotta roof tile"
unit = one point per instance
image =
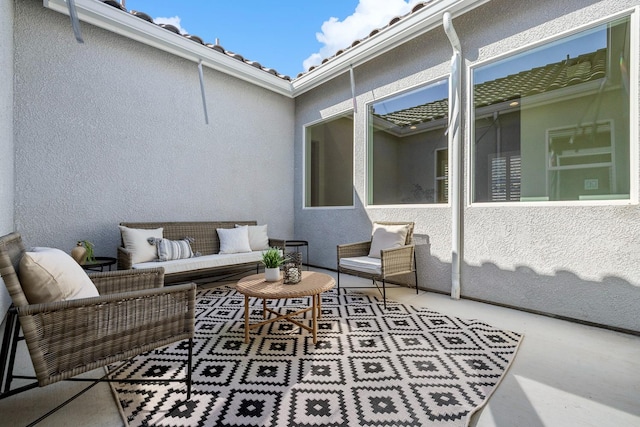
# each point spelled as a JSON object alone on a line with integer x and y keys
{"x": 582, "y": 69}
{"x": 220, "y": 49}
{"x": 374, "y": 32}
{"x": 196, "y": 39}
{"x": 416, "y": 115}
{"x": 585, "y": 68}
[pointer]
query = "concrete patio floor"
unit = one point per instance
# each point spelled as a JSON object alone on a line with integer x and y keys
{"x": 564, "y": 374}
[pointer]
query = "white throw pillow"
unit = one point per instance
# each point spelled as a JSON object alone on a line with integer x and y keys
{"x": 136, "y": 241}
{"x": 258, "y": 237}
{"x": 49, "y": 274}
{"x": 234, "y": 240}
{"x": 387, "y": 237}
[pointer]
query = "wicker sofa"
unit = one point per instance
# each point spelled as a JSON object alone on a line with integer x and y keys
{"x": 206, "y": 242}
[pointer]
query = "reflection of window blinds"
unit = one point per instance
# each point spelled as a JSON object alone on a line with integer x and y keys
{"x": 442, "y": 176}
{"x": 498, "y": 179}
{"x": 515, "y": 173}
{"x": 505, "y": 178}
{"x": 445, "y": 191}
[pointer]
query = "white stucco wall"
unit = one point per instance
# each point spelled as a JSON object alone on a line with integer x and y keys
{"x": 112, "y": 130}
{"x": 6, "y": 132}
{"x": 579, "y": 262}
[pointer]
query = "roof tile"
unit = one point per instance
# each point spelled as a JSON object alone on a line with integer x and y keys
{"x": 582, "y": 69}
{"x": 220, "y": 49}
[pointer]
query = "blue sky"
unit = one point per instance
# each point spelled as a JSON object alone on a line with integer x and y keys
{"x": 286, "y": 35}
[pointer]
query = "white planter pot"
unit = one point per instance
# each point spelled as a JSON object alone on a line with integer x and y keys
{"x": 272, "y": 274}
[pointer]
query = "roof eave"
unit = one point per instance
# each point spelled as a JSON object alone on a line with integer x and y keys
{"x": 413, "y": 25}
{"x": 109, "y": 18}
{"x": 117, "y": 21}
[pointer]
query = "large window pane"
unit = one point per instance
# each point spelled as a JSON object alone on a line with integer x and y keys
{"x": 408, "y": 162}
{"x": 552, "y": 123}
{"x": 329, "y": 163}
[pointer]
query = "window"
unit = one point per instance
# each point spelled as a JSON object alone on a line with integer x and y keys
{"x": 552, "y": 123}
{"x": 407, "y": 145}
{"x": 329, "y": 163}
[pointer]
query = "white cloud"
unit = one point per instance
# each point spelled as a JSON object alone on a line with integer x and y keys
{"x": 174, "y": 20}
{"x": 369, "y": 14}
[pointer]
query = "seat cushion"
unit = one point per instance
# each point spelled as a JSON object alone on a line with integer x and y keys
{"x": 387, "y": 237}
{"x": 203, "y": 262}
{"x": 49, "y": 274}
{"x": 136, "y": 241}
{"x": 364, "y": 264}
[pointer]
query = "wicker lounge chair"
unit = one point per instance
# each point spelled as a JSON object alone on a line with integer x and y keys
{"x": 133, "y": 314}
{"x": 354, "y": 259}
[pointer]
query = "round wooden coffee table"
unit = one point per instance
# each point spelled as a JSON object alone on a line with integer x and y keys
{"x": 311, "y": 285}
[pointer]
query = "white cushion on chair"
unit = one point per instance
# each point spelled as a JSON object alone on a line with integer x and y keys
{"x": 364, "y": 264}
{"x": 49, "y": 274}
{"x": 387, "y": 237}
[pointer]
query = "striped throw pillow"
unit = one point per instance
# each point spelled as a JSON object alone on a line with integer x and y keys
{"x": 173, "y": 249}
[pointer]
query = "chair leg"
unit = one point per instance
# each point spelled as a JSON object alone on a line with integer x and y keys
{"x": 384, "y": 294}
{"x": 8, "y": 352}
{"x": 189, "y": 368}
{"x": 8, "y": 358}
{"x": 415, "y": 270}
{"x": 6, "y": 345}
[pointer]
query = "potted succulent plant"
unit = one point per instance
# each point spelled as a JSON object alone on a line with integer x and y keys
{"x": 272, "y": 259}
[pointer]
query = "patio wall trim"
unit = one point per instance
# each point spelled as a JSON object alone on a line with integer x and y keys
{"x": 125, "y": 24}
{"x": 117, "y": 21}
{"x": 412, "y": 26}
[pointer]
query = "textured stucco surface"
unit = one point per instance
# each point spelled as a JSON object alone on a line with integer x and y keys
{"x": 6, "y": 132}
{"x": 580, "y": 262}
{"x": 112, "y": 130}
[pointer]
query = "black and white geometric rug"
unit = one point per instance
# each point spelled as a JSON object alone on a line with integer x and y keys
{"x": 402, "y": 366}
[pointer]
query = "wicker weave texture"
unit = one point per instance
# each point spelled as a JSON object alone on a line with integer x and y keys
{"x": 393, "y": 262}
{"x": 206, "y": 242}
{"x": 204, "y": 232}
{"x": 312, "y": 283}
{"x": 131, "y": 316}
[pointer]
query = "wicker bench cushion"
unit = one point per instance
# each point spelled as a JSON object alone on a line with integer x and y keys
{"x": 203, "y": 262}
{"x": 362, "y": 263}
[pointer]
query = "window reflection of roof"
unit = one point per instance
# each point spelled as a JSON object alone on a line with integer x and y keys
{"x": 583, "y": 69}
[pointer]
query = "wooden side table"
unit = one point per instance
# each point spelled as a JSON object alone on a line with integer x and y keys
{"x": 311, "y": 285}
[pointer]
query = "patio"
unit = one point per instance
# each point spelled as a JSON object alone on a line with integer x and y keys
{"x": 564, "y": 374}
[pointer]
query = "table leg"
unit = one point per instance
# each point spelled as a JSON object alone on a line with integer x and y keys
{"x": 319, "y": 306}
{"x": 314, "y": 319}
{"x": 264, "y": 308}
{"x": 246, "y": 319}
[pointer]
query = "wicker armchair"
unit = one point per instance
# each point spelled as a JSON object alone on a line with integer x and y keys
{"x": 133, "y": 314}
{"x": 353, "y": 259}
